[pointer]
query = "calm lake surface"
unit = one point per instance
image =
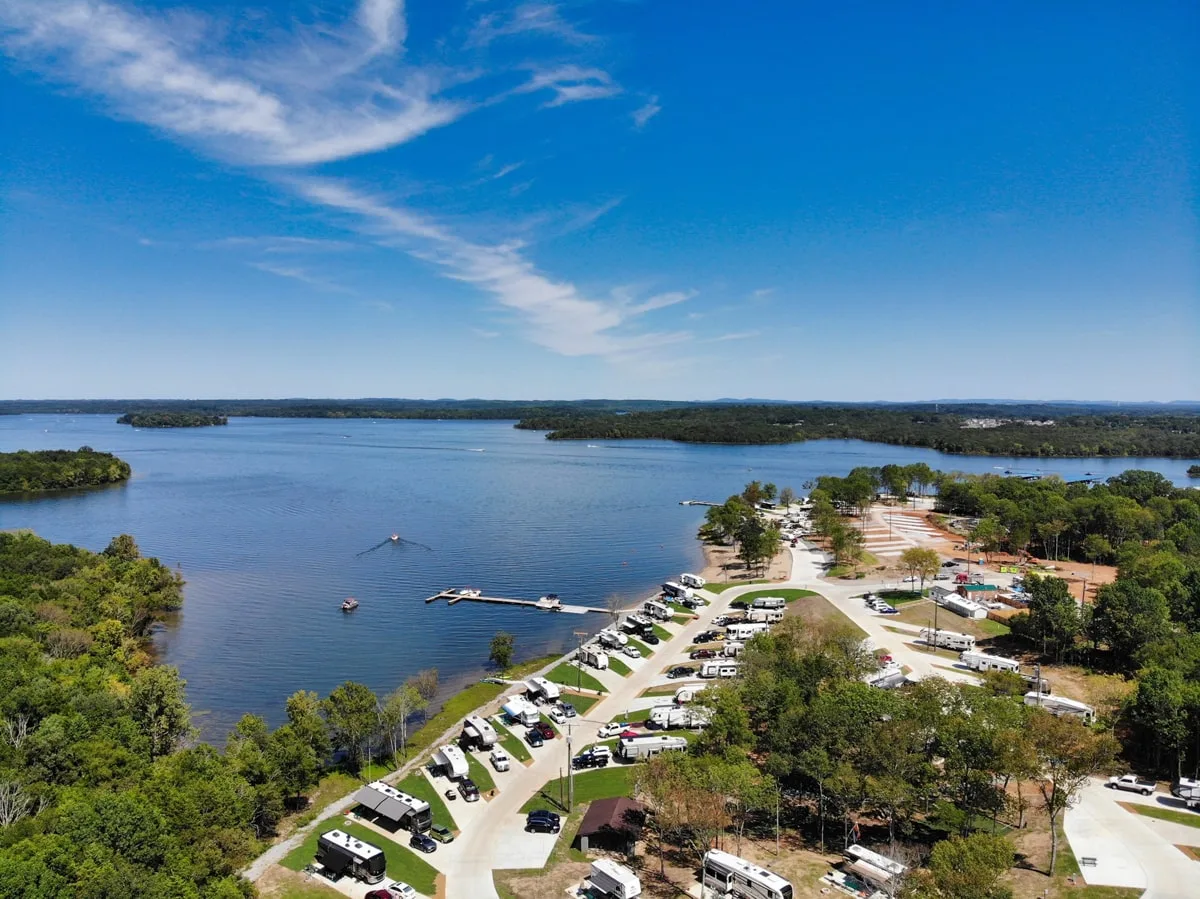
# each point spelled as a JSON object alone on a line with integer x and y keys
{"x": 275, "y": 521}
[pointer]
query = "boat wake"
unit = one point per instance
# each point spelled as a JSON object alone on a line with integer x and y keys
{"x": 394, "y": 541}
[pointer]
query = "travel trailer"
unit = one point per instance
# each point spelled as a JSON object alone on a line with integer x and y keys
{"x": 692, "y": 580}
{"x": 452, "y": 762}
{"x": 1061, "y": 706}
{"x": 478, "y": 732}
{"x": 658, "y": 610}
{"x": 733, "y": 876}
{"x": 769, "y": 602}
{"x": 947, "y": 639}
{"x": 981, "y": 661}
{"x": 609, "y": 879}
{"x": 642, "y": 747}
{"x": 542, "y": 690}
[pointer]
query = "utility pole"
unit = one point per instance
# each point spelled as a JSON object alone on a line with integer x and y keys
{"x": 570, "y": 771}
{"x": 1038, "y": 674}
{"x": 579, "y": 635}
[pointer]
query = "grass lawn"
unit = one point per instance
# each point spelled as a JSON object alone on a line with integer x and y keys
{"x": 641, "y": 647}
{"x": 787, "y": 595}
{"x": 457, "y": 707}
{"x": 510, "y": 741}
{"x": 402, "y": 863}
{"x": 331, "y": 787}
{"x": 615, "y": 664}
{"x": 921, "y": 613}
{"x": 572, "y": 676}
{"x": 415, "y": 784}
{"x": 900, "y": 597}
{"x": 1189, "y": 819}
{"x": 479, "y": 773}
{"x": 581, "y": 701}
{"x": 683, "y": 619}
{"x": 721, "y": 588}
{"x": 659, "y": 691}
{"x": 816, "y": 610}
{"x": 522, "y": 670}
{"x": 662, "y": 633}
{"x": 605, "y": 783}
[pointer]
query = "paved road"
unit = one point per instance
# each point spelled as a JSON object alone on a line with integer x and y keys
{"x": 1128, "y": 849}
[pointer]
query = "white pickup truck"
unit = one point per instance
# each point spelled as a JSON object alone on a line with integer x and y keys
{"x": 1132, "y": 784}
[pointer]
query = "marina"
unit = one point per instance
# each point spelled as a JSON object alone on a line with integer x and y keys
{"x": 547, "y": 603}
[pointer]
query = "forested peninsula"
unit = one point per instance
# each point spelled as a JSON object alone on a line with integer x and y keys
{"x": 988, "y": 430}
{"x": 29, "y": 471}
{"x": 171, "y": 419}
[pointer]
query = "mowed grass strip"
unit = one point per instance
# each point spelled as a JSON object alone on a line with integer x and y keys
{"x": 721, "y": 588}
{"x": 572, "y": 676}
{"x": 1188, "y": 819}
{"x": 512, "y": 743}
{"x": 416, "y": 785}
{"x": 662, "y": 633}
{"x": 641, "y": 647}
{"x": 618, "y": 666}
{"x": 581, "y": 701}
{"x": 402, "y": 863}
{"x": 604, "y": 783}
{"x": 788, "y": 595}
{"x": 479, "y": 773}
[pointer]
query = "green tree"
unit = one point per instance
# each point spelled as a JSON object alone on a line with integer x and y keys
{"x": 294, "y": 758}
{"x": 920, "y": 563}
{"x": 970, "y": 867}
{"x": 400, "y": 705}
{"x": 988, "y": 535}
{"x": 787, "y": 496}
{"x": 306, "y": 717}
{"x": 728, "y": 729}
{"x": 156, "y": 699}
{"x": 1129, "y": 618}
{"x": 123, "y": 547}
{"x": 351, "y": 712}
{"x": 501, "y": 652}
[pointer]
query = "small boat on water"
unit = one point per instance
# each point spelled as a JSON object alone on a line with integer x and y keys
{"x": 550, "y": 602}
{"x": 395, "y": 538}
{"x": 349, "y": 604}
{"x": 469, "y": 593}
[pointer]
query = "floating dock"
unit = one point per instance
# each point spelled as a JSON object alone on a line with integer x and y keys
{"x": 455, "y": 595}
{"x": 696, "y": 502}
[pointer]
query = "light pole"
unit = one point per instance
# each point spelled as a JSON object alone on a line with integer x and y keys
{"x": 579, "y": 635}
{"x": 570, "y": 771}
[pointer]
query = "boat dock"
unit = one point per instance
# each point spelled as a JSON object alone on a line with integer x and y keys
{"x": 696, "y": 502}
{"x": 546, "y": 605}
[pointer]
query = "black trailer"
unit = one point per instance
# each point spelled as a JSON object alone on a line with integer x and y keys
{"x": 340, "y": 854}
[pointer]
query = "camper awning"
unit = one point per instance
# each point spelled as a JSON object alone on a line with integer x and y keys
{"x": 870, "y": 873}
{"x": 381, "y": 803}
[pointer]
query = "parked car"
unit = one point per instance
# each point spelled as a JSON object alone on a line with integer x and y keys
{"x": 941, "y": 577}
{"x": 534, "y": 738}
{"x": 442, "y": 834}
{"x": 681, "y": 671}
{"x": 398, "y": 889}
{"x": 911, "y": 579}
{"x": 568, "y": 710}
{"x": 596, "y": 757}
{"x": 630, "y": 732}
{"x": 557, "y": 716}
{"x": 632, "y": 651}
{"x": 949, "y": 564}
{"x": 721, "y": 620}
{"x": 543, "y": 820}
{"x": 1133, "y": 784}
{"x": 703, "y": 654}
{"x": 547, "y": 732}
{"x": 469, "y": 791}
{"x": 610, "y": 730}
{"x": 422, "y": 842}
{"x": 709, "y": 636}
{"x": 651, "y": 639}
{"x": 500, "y": 759}
{"x": 379, "y": 894}
{"x": 739, "y": 604}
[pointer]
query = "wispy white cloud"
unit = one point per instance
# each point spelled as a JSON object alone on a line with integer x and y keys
{"x": 624, "y": 296}
{"x": 297, "y": 273}
{"x": 762, "y": 292}
{"x": 486, "y": 335}
{"x": 246, "y": 109}
{"x": 506, "y": 170}
{"x": 571, "y": 84}
{"x": 381, "y": 305}
{"x": 278, "y": 244}
{"x": 739, "y": 335}
{"x": 646, "y": 112}
{"x": 544, "y": 19}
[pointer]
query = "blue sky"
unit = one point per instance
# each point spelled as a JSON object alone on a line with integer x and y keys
{"x": 656, "y": 199}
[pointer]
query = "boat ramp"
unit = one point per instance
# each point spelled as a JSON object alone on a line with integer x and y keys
{"x": 549, "y": 603}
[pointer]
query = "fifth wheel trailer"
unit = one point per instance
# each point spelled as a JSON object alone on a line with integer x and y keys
{"x": 642, "y": 747}
{"x": 452, "y": 761}
{"x": 613, "y": 880}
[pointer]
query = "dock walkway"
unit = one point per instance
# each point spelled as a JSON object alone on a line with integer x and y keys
{"x": 452, "y": 596}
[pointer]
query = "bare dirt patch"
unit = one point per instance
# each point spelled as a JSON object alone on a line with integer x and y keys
{"x": 280, "y": 883}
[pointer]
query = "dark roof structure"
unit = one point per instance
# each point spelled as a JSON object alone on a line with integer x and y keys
{"x": 620, "y": 816}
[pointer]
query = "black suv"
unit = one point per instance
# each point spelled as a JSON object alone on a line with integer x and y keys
{"x": 422, "y": 842}
{"x": 543, "y": 820}
{"x": 469, "y": 791}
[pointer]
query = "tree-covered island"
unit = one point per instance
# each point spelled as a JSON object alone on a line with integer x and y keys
{"x": 28, "y": 471}
{"x": 171, "y": 419}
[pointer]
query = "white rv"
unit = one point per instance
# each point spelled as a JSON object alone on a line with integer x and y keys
{"x": 769, "y": 602}
{"x": 522, "y": 711}
{"x": 540, "y": 689}
{"x": 745, "y": 630}
{"x": 612, "y": 639}
{"x": 769, "y": 616}
{"x": 873, "y": 868}
{"x": 636, "y": 624}
{"x": 657, "y": 610}
{"x": 947, "y": 639}
{"x": 733, "y": 876}
{"x": 687, "y": 693}
{"x": 1061, "y": 706}
{"x": 479, "y": 732}
{"x": 981, "y": 661}
{"x": 596, "y": 658}
{"x": 610, "y": 879}
{"x": 719, "y": 668}
{"x": 676, "y": 591}
{"x": 670, "y": 717}
{"x": 732, "y": 648}
{"x": 630, "y": 748}
{"x": 452, "y": 762}
{"x": 692, "y": 580}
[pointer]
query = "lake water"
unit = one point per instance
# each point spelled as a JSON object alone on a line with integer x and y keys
{"x": 275, "y": 521}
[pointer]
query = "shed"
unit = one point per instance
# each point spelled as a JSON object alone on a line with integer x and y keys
{"x": 612, "y": 824}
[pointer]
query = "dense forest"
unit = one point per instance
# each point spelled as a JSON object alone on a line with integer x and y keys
{"x": 103, "y": 792}
{"x": 1048, "y": 432}
{"x": 171, "y": 419}
{"x": 28, "y": 471}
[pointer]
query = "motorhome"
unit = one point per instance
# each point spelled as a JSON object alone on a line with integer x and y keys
{"x": 873, "y": 868}
{"x": 340, "y": 853}
{"x": 642, "y": 747}
{"x": 388, "y": 802}
{"x": 451, "y": 761}
{"x": 769, "y": 616}
{"x": 522, "y": 711}
{"x": 608, "y": 879}
{"x": 1061, "y": 706}
{"x": 692, "y": 580}
{"x": 734, "y": 876}
{"x": 687, "y": 693}
{"x": 657, "y": 610}
{"x": 719, "y": 668}
{"x": 612, "y": 639}
{"x": 637, "y": 624}
{"x": 947, "y": 639}
{"x": 745, "y": 630}
{"x": 593, "y": 656}
{"x": 542, "y": 690}
{"x": 769, "y": 602}
{"x": 478, "y": 733}
{"x": 670, "y": 717}
{"x": 981, "y": 661}
{"x": 676, "y": 591}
